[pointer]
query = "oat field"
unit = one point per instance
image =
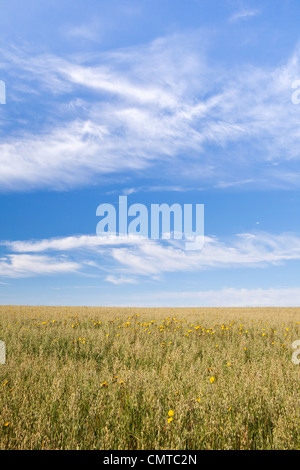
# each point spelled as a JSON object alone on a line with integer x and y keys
{"x": 130, "y": 378}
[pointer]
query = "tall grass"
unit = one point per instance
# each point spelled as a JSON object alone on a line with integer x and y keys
{"x": 105, "y": 378}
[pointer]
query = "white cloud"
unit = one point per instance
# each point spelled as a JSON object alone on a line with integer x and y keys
{"x": 254, "y": 250}
{"x": 91, "y": 31}
{"x": 157, "y": 104}
{"x": 24, "y": 265}
{"x": 243, "y": 14}
{"x": 150, "y": 258}
{"x": 227, "y": 297}
{"x": 76, "y": 242}
{"x": 117, "y": 280}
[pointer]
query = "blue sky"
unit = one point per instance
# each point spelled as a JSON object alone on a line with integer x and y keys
{"x": 164, "y": 101}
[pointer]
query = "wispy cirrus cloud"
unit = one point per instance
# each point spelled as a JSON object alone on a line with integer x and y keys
{"x": 118, "y": 280}
{"x": 244, "y": 250}
{"x": 227, "y": 297}
{"x": 26, "y": 265}
{"x": 157, "y": 104}
{"x": 76, "y": 242}
{"x": 91, "y": 31}
{"x": 128, "y": 257}
{"x": 243, "y": 14}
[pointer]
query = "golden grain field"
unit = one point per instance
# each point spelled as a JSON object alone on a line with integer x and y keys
{"x": 130, "y": 378}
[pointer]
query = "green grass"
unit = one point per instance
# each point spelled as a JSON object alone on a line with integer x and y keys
{"x": 113, "y": 387}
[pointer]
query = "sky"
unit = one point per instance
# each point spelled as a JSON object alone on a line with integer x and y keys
{"x": 162, "y": 101}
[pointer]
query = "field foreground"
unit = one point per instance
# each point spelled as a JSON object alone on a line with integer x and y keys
{"x": 131, "y": 378}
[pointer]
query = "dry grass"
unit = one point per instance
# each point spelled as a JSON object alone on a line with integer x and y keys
{"x": 106, "y": 378}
